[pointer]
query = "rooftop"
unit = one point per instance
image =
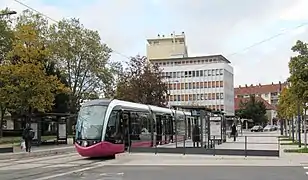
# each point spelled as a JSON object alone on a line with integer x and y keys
{"x": 259, "y": 89}
{"x": 237, "y": 102}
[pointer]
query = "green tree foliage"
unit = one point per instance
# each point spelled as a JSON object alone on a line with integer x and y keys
{"x": 24, "y": 85}
{"x": 142, "y": 83}
{"x": 253, "y": 109}
{"x": 286, "y": 104}
{"x": 298, "y": 67}
{"x": 6, "y": 35}
{"x": 82, "y": 58}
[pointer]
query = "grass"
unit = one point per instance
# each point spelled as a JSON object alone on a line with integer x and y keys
{"x": 290, "y": 143}
{"x": 301, "y": 150}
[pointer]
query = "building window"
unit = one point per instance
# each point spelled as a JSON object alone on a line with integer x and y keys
{"x": 197, "y": 73}
{"x": 217, "y": 72}
{"x": 209, "y": 73}
{"x": 193, "y": 74}
{"x": 205, "y": 96}
{"x": 201, "y": 73}
{"x": 194, "y": 97}
{"x": 221, "y": 95}
{"x": 201, "y": 85}
{"x": 189, "y": 85}
{"x": 217, "y": 96}
{"x": 201, "y": 97}
{"x": 221, "y": 84}
{"x": 194, "y": 85}
{"x": 198, "y": 97}
{"x": 221, "y": 71}
{"x": 179, "y": 97}
{"x": 186, "y": 86}
{"x": 213, "y": 72}
{"x": 205, "y": 73}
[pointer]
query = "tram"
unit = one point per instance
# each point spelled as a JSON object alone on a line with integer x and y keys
{"x": 106, "y": 127}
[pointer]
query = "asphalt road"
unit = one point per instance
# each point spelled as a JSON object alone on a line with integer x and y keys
{"x": 192, "y": 172}
{"x": 73, "y": 167}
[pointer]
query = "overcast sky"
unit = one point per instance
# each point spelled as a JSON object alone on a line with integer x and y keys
{"x": 211, "y": 26}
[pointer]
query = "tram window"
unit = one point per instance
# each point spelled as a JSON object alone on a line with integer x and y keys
{"x": 113, "y": 130}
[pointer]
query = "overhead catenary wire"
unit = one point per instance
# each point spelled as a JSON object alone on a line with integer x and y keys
{"x": 48, "y": 17}
{"x": 232, "y": 54}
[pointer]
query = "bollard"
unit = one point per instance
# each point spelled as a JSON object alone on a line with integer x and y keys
{"x": 184, "y": 146}
{"x": 214, "y": 150}
{"x": 245, "y": 146}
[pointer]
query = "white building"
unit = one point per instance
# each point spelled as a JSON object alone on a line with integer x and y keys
{"x": 199, "y": 81}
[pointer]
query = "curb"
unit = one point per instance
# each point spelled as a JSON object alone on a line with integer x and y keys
{"x": 37, "y": 153}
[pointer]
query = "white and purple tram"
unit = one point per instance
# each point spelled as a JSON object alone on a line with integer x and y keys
{"x": 104, "y": 126}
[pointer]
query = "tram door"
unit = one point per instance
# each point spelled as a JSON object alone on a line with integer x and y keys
{"x": 125, "y": 129}
{"x": 165, "y": 129}
{"x": 159, "y": 129}
{"x": 189, "y": 127}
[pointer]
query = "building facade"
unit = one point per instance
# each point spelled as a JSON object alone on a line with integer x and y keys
{"x": 269, "y": 92}
{"x": 199, "y": 81}
{"x": 163, "y": 47}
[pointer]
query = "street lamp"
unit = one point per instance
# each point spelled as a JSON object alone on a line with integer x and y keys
{"x": 8, "y": 13}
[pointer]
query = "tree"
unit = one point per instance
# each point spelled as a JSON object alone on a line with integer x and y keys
{"x": 253, "y": 109}
{"x": 6, "y": 35}
{"x": 286, "y": 104}
{"x": 298, "y": 67}
{"x": 142, "y": 83}
{"x": 81, "y": 57}
{"x": 25, "y": 86}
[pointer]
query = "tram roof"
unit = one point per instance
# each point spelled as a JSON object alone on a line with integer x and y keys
{"x": 157, "y": 109}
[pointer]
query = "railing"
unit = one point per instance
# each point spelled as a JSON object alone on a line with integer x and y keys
{"x": 245, "y": 145}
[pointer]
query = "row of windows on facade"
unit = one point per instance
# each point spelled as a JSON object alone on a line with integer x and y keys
{"x": 215, "y": 107}
{"x": 196, "y": 97}
{"x": 197, "y": 73}
{"x": 196, "y": 85}
{"x": 187, "y": 62}
{"x": 272, "y": 94}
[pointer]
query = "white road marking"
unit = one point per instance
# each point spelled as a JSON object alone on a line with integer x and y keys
{"x": 93, "y": 166}
{"x": 112, "y": 174}
{"x": 305, "y": 167}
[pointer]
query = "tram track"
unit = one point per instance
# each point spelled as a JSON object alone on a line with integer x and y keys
{"x": 24, "y": 173}
{"x": 36, "y": 159}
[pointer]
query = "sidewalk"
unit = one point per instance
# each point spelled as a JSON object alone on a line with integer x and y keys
{"x": 42, "y": 150}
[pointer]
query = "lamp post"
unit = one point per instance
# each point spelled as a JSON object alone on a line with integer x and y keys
{"x": 305, "y": 127}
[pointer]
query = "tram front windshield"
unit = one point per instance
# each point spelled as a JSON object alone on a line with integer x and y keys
{"x": 90, "y": 122}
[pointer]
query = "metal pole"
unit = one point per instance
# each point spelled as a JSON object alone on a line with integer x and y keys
{"x": 299, "y": 125}
{"x": 305, "y": 129}
{"x": 292, "y": 129}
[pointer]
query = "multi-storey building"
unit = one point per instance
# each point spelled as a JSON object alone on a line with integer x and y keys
{"x": 205, "y": 81}
{"x": 200, "y": 81}
{"x": 269, "y": 92}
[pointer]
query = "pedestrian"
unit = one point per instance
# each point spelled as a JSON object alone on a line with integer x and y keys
{"x": 196, "y": 135}
{"x": 28, "y": 135}
{"x": 233, "y": 131}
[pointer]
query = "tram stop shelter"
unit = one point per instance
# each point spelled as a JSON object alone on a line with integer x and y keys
{"x": 50, "y": 128}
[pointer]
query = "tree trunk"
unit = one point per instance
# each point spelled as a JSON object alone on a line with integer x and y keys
{"x": 2, "y": 114}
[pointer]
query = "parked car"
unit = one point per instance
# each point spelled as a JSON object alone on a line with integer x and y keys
{"x": 269, "y": 128}
{"x": 257, "y": 129}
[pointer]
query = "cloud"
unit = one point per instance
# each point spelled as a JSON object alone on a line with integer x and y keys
{"x": 211, "y": 27}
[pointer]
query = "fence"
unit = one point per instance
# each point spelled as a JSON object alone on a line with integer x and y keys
{"x": 247, "y": 144}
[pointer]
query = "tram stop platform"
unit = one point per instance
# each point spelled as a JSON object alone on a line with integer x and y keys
{"x": 246, "y": 144}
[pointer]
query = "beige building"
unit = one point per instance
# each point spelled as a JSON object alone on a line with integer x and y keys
{"x": 165, "y": 47}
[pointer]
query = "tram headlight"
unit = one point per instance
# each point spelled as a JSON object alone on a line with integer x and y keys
{"x": 85, "y": 143}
